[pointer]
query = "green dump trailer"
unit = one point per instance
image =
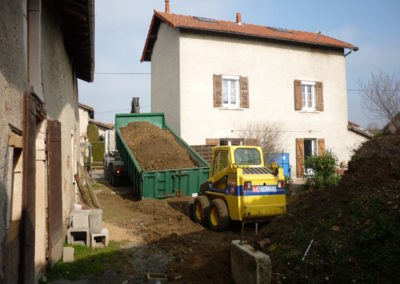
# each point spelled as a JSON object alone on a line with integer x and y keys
{"x": 161, "y": 183}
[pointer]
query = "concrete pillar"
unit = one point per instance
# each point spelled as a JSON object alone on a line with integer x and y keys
{"x": 248, "y": 265}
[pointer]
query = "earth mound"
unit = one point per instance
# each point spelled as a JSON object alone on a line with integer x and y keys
{"x": 155, "y": 148}
{"x": 352, "y": 231}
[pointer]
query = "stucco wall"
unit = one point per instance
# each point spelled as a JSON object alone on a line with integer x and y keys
{"x": 60, "y": 93}
{"x": 165, "y": 76}
{"x": 271, "y": 69}
{"x": 12, "y": 86}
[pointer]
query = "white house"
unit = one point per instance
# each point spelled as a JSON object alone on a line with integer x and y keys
{"x": 86, "y": 113}
{"x": 214, "y": 78}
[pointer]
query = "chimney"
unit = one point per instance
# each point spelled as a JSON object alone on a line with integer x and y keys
{"x": 238, "y": 18}
{"x": 167, "y": 6}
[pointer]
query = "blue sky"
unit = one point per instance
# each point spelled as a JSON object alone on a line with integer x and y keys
{"x": 122, "y": 26}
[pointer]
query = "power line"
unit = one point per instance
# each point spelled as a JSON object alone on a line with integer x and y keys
{"x": 121, "y": 109}
{"x": 122, "y": 73}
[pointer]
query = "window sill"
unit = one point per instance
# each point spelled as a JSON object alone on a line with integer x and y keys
{"x": 309, "y": 111}
{"x": 231, "y": 108}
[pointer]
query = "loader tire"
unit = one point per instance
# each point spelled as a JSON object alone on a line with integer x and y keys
{"x": 218, "y": 217}
{"x": 200, "y": 207}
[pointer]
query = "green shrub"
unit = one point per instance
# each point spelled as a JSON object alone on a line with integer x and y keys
{"x": 97, "y": 151}
{"x": 324, "y": 170}
{"x": 93, "y": 132}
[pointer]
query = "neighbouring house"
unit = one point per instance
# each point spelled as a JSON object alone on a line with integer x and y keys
{"x": 45, "y": 47}
{"x": 214, "y": 78}
{"x": 86, "y": 116}
{"x": 102, "y": 126}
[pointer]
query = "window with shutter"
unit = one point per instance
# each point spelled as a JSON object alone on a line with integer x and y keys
{"x": 308, "y": 96}
{"x": 231, "y": 91}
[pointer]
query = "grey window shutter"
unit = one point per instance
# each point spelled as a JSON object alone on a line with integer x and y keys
{"x": 297, "y": 95}
{"x": 217, "y": 86}
{"x": 319, "y": 96}
{"x": 244, "y": 92}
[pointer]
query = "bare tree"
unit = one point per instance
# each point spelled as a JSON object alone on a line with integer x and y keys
{"x": 373, "y": 128}
{"x": 381, "y": 97}
{"x": 268, "y": 136}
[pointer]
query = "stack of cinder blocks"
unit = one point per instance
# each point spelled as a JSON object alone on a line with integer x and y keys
{"x": 86, "y": 228}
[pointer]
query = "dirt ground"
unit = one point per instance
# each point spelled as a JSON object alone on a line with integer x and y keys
{"x": 162, "y": 238}
{"x": 155, "y": 148}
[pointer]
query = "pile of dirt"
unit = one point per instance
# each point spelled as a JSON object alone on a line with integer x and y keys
{"x": 155, "y": 148}
{"x": 353, "y": 230}
{"x": 161, "y": 229}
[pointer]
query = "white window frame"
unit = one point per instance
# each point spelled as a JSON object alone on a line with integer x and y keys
{"x": 229, "y": 104}
{"x": 313, "y": 99}
{"x": 314, "y": 151}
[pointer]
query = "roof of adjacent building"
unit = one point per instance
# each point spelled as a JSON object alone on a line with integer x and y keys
{"x": 77, "y": 23}
{"x": 239, "y": 29}
{"x": 356, "y": 128}
{"x": 102, "y": 124}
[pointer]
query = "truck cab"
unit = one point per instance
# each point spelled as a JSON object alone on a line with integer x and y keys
{"x": 240, "y": 188}
{"x": 113, "y": 166}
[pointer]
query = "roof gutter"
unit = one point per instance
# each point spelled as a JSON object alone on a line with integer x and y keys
{"x": 350, "y": 50}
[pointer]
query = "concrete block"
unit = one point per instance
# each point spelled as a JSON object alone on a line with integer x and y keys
{"x": 78, "y": 236}
{"x": 248, "y": 265}
{"x": 79, "y": 218}
{"x": 96, "y": 221}
{"x": 68, "y": 254}
{"x": 100, "y": 240}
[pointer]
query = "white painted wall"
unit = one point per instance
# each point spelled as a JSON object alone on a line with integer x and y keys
{"x": 165, "y": 76}
{"x": 271, "y": 69}
{"x": 83, "y": 123}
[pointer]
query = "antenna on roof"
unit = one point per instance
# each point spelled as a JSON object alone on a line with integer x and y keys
{"x": 319, "y": 34}
{"x": 167, "y": 6}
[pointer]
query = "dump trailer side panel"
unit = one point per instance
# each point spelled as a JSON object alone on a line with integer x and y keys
{"x": 163, "y": 183}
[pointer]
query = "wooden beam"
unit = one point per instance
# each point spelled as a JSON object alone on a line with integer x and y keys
{"x": 15, "y": 141}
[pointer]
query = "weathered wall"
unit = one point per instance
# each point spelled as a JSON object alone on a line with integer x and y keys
{"x": 271, "y": 69}
{"x": 12, "y": 86}
{"x": 60, "y": 93}
{"x": 165, "y": 76}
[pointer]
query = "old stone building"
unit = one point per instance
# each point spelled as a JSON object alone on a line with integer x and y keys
{"x": 45, "y": 47}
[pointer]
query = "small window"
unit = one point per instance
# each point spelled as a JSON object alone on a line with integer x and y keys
{"x": 308, "y": 95}
{"x": 230, "y": 91}
{"x": 246, "y": 156}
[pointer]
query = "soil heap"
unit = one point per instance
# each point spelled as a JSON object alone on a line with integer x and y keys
{"x": 355, "y": 227}
{"x": 155, "y": 148}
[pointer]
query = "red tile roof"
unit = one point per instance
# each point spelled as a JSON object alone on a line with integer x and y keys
{"x": 244, "y": 29}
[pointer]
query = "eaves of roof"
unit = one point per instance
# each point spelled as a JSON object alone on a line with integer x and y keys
{"x": 77, "y": 23}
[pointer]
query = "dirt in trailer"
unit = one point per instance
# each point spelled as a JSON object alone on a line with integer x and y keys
{"x": 155, "y": 148}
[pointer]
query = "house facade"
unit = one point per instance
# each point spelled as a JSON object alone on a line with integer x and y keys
{"x": 45, "y": 47}
{"x": 214, "y": 79}
{"x": 85, "y": 114}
